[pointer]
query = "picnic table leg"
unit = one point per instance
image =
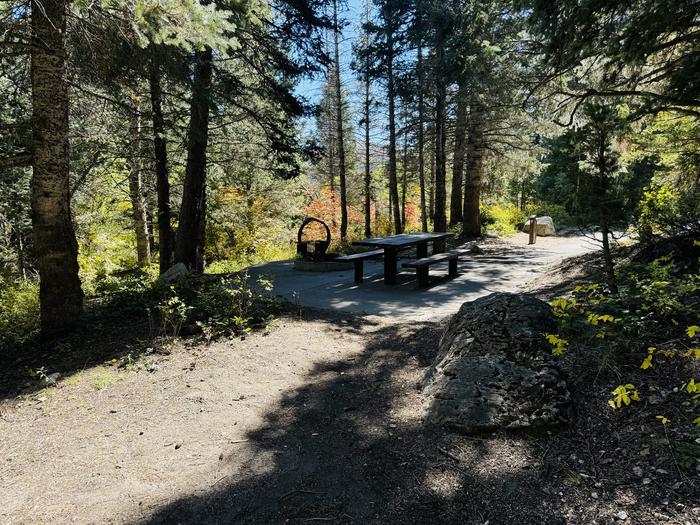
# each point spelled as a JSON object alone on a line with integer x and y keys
{"x": 423, "y": 277}
{"x": 359, "y": 271}
{"x": 421, "y": 250}
{"x": 453, "y": 268}
{"x": 389, "y": 266}
{"x": 439, "y": 246}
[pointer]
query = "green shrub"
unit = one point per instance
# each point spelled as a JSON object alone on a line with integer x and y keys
{"x": 557, "y": 212}
{"x": 504, "y": 219}
{"x": 19, "y": 312}
{"x": 268, "y": 253}
{"x": 667, "y": 210}
{"x": 218, "y": 306}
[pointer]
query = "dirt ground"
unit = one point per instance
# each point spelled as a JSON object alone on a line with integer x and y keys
{"x": 317, "y": 420}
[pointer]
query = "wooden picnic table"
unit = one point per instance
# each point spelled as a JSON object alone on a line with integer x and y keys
{"x": 394, "y": 243}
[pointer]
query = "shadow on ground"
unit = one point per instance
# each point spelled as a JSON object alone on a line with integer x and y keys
{"x": 349, "y": 447}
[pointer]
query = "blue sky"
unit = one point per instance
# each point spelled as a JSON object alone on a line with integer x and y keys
{"x": 350, "y": 13}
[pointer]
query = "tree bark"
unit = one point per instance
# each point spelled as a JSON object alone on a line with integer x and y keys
{"x": 341, "y": 138}
{"x": 190, "y": 237}
{"x": 471, "y": 221}
{"x": 60, "y": 293}
{"x": 431, "y": 189}
{"x": 607, "y": 254}
{"x": 368, "y": 175}
{"x": 421, "y": 139}
{"x": 440, "y": 220}
{"x": 136, "y": 190}
{"x": 456, "y": 203}
{"x": 160, "y": 149}
{"x": 391, "y": 95}
{"x": 404, "y": 170}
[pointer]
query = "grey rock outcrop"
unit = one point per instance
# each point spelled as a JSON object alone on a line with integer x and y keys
{"x": 172, "y": 274}
{"x": 494, "y": 369}
{"x": 545, "y": 226}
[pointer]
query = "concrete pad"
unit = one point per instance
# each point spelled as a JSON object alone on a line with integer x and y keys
{"x": 506, "y": 268}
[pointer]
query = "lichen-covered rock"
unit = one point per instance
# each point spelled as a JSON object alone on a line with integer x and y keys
{"x": 494, "y": 368}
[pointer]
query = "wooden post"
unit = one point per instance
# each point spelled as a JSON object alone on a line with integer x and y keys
{"x": 533, "y": 229}
{"x": 359, "y": 271}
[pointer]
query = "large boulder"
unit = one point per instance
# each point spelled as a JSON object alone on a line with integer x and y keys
{"x": 545, "y": 226}
{"x": 494, "y": 368}
{"x": 172, "y": 274}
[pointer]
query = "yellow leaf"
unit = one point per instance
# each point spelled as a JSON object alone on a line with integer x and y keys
{"x": 612, "y": 404}
{"x": 663, "y": 419}
{"x": 692, "y": 330}
{"x": 646, "y": 363}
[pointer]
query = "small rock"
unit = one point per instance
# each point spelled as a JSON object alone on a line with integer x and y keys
{"x": 638, "y": 471}
{"x": 646, "y": 481}
{"x": 622, "y": 515}
{"x": 177, "y": 445}
{"x": 52, "y": 379}
{"x": 594, "y": 495}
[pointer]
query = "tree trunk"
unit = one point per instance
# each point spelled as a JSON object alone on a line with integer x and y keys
{"x": 607, "y": 254}
{"x": 391, "y": 95}
{"x": 421, "y": 140}
{"x": 160, "y": 150}
{"x": 368, "y": 175}
{"x": 341, "y": 139}
{"x": 431, "y": 189}
{"x": 458, "y": 160}
{"x": 404, "y": 176}
{"x": 18, "y": 241}
{"x": 190, "y": 235}
{"x": 60, "y": 293}
{"x": 471, "y": 221}
{"x": 440, "y": 220}
{"x": 136, "y": 191}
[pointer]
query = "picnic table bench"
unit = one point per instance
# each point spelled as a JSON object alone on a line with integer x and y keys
{"x": 422, "y": 266}
{"x": 358, "y": 259}
{"x": 393, "y": 244}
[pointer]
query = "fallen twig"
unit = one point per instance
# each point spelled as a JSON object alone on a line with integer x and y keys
{"x": 449, "y": 454}
{"x": 300, "y": 491}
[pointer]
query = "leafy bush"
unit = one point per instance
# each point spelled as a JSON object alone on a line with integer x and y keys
{"x": 502, "y": 218}
{"x": 666, "y": 210}
{"x": 19, "y": 312}
{"x": 652, "y": 321}
{"x": 215, "y": 306}
{"x": 557, "y": 212}
{"x": 267, "y": 253}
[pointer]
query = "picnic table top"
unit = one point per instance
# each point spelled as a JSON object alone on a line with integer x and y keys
{"x": 404, "y": 239}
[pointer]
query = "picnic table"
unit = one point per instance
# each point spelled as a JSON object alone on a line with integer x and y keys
{"x": 394, "y": 243}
